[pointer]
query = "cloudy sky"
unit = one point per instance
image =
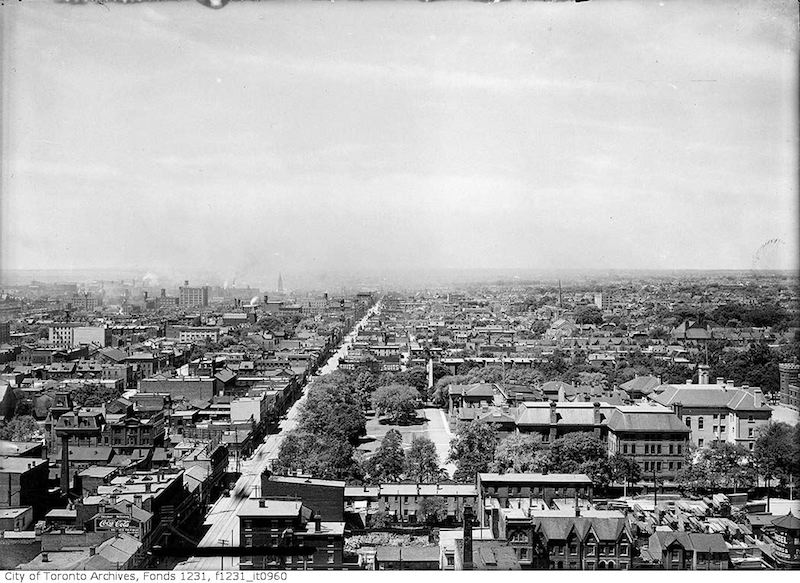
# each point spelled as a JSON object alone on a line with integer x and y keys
{"x": 284, "y": 136}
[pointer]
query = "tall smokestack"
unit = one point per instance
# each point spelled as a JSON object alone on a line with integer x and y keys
{"x": 467, "y": 561}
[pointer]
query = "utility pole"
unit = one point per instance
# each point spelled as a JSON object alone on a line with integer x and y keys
{"x": 223, "y": 542}
{"x": 655, "y": 489}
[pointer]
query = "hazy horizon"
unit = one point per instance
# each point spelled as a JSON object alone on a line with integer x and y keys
{"x": 376, "y": 136}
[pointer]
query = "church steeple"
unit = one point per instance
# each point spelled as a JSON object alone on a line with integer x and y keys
{"x": 280, "y": 283}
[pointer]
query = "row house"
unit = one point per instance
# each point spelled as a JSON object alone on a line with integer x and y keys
{"x": 404, "y": 502}
{"x": 298, "y": 537}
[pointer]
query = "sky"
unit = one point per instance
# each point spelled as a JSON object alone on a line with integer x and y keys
{"x": 317, "y": 136}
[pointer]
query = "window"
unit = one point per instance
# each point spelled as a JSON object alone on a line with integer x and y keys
{"x": 573, "y": 549}
{"x": 716, "y": 416}
{"x": 623, "y": 549}
{"x": 689, "y": 422}
{"x": 658, "y": 448}
{"x": 700, "y": 442}
{"x": 671, "y": 449}
{"x": 750, "y": 445}
{"x": 714, "y": 429}
{"x": 750, "y": 419}
{"x": 722, "y": 429}
{"x": 330, "y": 557}
{"x": 750, "y": 432}
{"x": 658, "y": 466}
{"x": 633, "y": 448}
{"x": 678, "y": 465}
{"x": 523, "y": 553}
{"x": 699, "y": 422}
{"x": 671, "y": 465}
{"x": 625, "y": 448}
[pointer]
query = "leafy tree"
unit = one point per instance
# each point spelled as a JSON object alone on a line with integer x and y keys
{"x": 433, "y": 509}
{"x": 19, "y": 429}
{"x": 472, "y": 449}
{"x": 324, "y": 458}
{"x": 589, "y": 314}
{"x": 416, "y": 377}
{"x": 331, "y": 410}
{"x": 580, "y": 453}
{"x": 388, "y": 463}
{"x": 519, "y": 452}
{"x": 776, "y": 451}
{"x": 380, "y": 519}
{"x": 364, "y": 385}
{"x": 625, "y": 469}
{"x": 721, "y": 464}
{"x": 94, "y": 395}
{"x": 440, "y": 396}
{"x": 398, "y": 402}
{"x": 422, "y": 461}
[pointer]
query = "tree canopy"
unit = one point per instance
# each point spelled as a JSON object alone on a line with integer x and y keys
{"x": 332, "y": 409}
{"x": 388, "y": 463}
{"x": 472, "y": 450}
{"x": 519, "y": 452}
{"x": 398, "y": 402}
{"x": 422, "y": 461}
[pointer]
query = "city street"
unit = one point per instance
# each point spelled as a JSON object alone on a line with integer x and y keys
{"x": 222, "y": 519}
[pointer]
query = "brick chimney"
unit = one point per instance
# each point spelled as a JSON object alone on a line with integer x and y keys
{"x": 553, "y": 417}
{"x": 720, "y": 380}
{"x": 758, "y": 398}
{"x": 702, "y": 374}
{"x": 677, "y": 408}
{"x": 467, "y": 560}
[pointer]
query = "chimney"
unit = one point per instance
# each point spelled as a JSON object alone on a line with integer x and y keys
{"x": 596, "y": 413}
{"x": 577, "y": 505}
{"x": 702, "y": 374}
{"x": 677, "y": 408}
{"x": 137, "y": 500}
{"x": 261, "y": 503}
{"x": 317, "y": 523}
{"x": 688, "y": 381}
{"x": 720, "y": 380}
{"x": 163, "y": 292}
{"x": 147, "y": 487}
{"x": 92, "y": 551}
{"x": 45, "y": 558}
{"x": 729, "y": 384}
{"x": 467, "y": 559}
{"x": 185, "y": 283}
{"x": 553, "y": 418}
{"x": 758, "y": 398}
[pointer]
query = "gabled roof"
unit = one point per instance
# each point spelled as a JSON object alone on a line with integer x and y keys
{"x": 717, "y": 396}
{"x": 473, "y": 390}
{"x": 698, "y": 542}
{"x": 790, "y": 521}
{"x": 561, "y": 527}
{"x": 644, "y": 384}
{"x": 643, "y": 420}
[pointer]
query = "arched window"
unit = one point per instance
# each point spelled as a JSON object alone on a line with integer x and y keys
{"x": 611, "y": 565}
{"x": 601, "y": 565}
{"x": 561, "y": 564}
